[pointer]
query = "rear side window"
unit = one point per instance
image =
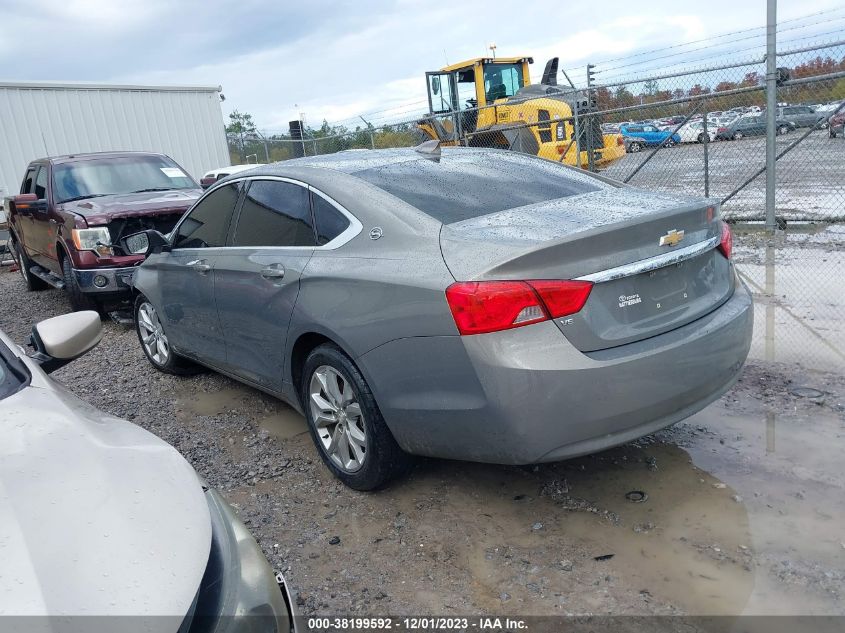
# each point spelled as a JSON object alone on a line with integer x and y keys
{"x": 275, "y": 213}
{"x": 328, "y": 221}
{"x": 467, "y": 184}
{"x": 208, "y": 222}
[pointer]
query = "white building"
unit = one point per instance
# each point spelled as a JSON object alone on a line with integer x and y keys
{"x": 51, "y": 119}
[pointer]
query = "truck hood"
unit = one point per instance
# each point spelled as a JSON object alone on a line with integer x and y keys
{"x": 97, "y": 516}
{"x": 98, "y": 211}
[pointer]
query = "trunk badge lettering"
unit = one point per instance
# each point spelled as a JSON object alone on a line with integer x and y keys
{"x": 672, "y": 238}
{"x": 629, "y": 300}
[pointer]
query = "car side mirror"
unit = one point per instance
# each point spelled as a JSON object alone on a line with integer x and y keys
{"x": 29, "y": 202}
{"x": 144, "y": 243}
{"x": 63, "y": 338}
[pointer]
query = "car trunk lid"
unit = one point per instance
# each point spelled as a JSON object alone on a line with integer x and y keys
{"x": 651, "y": 256}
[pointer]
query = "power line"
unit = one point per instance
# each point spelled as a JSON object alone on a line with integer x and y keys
{"x": 716, "y": 37}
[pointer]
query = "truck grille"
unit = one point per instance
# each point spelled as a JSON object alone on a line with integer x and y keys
{"x": 122, "y": 227}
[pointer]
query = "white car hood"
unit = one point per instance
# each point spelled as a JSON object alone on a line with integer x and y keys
{"x": 97, "y": 516}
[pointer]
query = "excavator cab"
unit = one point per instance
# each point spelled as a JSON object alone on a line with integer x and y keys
{"x": 456, "y": 92}
{"x": 490, "y": 102}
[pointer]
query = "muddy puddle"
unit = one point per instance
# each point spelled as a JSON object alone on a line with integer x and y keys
{"x": 279, "y": 420}
{"x": 787, "y": 468}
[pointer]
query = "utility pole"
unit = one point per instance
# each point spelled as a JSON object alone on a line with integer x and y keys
{"x": 771, "y": 111}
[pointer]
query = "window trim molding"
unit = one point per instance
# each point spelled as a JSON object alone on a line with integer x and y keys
{"x": 353, "y": 230}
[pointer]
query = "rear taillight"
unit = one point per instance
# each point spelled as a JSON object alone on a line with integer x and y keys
{"x": 562, "y": 297}
{"x": 491, "y": 306}
{"x": 620, "y": 140}
{"x": 726, "y": 245}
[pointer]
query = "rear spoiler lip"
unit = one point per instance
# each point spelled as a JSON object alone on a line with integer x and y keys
{"x": 652, "y": 263}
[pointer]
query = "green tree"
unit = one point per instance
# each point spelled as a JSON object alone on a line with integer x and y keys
{"x": 241, "y": 127}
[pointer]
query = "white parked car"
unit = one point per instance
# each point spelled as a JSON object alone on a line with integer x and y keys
{"x": 213, "y": 175}
{"x": 99, "y": 517}
{"x": 693, "y": 132}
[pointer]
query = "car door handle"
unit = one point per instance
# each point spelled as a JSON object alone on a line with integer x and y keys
{"x": 274, "y": 271}
{"x": 199, "y": 265}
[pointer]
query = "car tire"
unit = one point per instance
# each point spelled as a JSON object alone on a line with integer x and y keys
{"x": 700, "y": 138}
{"x": 737, "y": 136}
{"x": 335, "y": 396}
{"x": 634, "y": 147}
{"x": 23, "y": 262}
{"x": 158, "y": 351}
{"x": 783, "y": 129}
{"x": 831, "y": 133}
{"x": 78, "y": 300}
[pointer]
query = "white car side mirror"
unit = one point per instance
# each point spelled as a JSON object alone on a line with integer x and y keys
{"x": 61, "y": 339}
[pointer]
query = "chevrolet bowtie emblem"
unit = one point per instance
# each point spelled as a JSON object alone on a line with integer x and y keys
{"x": 672, "y": 238}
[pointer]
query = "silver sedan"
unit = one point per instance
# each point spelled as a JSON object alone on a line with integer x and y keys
{"x": 468, "y": 304}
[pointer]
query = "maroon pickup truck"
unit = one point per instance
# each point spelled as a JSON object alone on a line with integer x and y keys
{"x": 67, "y": 222}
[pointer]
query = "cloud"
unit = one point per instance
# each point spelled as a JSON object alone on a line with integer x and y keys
{"x": 332, "y": 59}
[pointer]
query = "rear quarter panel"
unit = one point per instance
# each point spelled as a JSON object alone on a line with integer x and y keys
{"x": 368, "y": 292}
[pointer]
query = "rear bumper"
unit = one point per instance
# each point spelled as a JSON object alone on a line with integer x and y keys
{"x": 527, "y": 395}
{"x": 104, "y": 280}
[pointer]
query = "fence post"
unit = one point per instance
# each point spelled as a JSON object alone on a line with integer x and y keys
{"x": 577, "y": 138}
{"x": 590, "y": 123}
{"x": 771, "y": 110}
{"x": 706, "y": 156}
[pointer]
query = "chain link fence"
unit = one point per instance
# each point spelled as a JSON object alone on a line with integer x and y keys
{"x": 699, "y": 131}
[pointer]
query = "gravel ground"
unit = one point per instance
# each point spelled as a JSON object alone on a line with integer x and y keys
{"x": 731, "y": 524}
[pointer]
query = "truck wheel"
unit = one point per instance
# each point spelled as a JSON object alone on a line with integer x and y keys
{"x": 634, "y": 147}
{"x": 32, "y": 282}
{"x": 345, "y": 422}
{"x": 156, "y": 345}
{"x": 78, "y": 300}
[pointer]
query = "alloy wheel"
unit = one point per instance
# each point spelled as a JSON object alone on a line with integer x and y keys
{"x": 152, "y": 334}
{"x": 337, "y": 418}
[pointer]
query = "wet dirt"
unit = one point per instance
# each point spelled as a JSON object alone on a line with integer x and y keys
{"x": 744, "y": 515}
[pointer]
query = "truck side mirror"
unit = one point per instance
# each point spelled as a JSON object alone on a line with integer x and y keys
{"x": 63, "y": 338}
{"x": 144, "y": 243}
{"x": 29, "y": 202}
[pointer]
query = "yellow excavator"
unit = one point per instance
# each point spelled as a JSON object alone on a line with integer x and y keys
{"x": 491, "y": 102}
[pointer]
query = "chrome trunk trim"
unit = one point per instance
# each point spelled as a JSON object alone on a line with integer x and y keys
{"x": 652, "y": 263}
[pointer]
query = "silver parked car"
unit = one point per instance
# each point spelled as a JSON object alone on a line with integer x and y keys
{"x": 98, "y": 517}
{"x": 470, "y": 304}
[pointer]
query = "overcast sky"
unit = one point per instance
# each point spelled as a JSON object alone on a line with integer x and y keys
{"x": 334, "y": 60}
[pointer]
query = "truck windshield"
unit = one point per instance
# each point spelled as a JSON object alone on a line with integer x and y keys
{"x": 117, "y": 175}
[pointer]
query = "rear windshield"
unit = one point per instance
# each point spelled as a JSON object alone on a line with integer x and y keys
{"x": 465, "y": 185}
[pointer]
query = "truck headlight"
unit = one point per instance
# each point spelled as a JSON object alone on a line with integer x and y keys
{"x": 96, "y": 239}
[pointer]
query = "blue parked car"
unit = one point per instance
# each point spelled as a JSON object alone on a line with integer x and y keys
{"x": 636, "y": 137}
